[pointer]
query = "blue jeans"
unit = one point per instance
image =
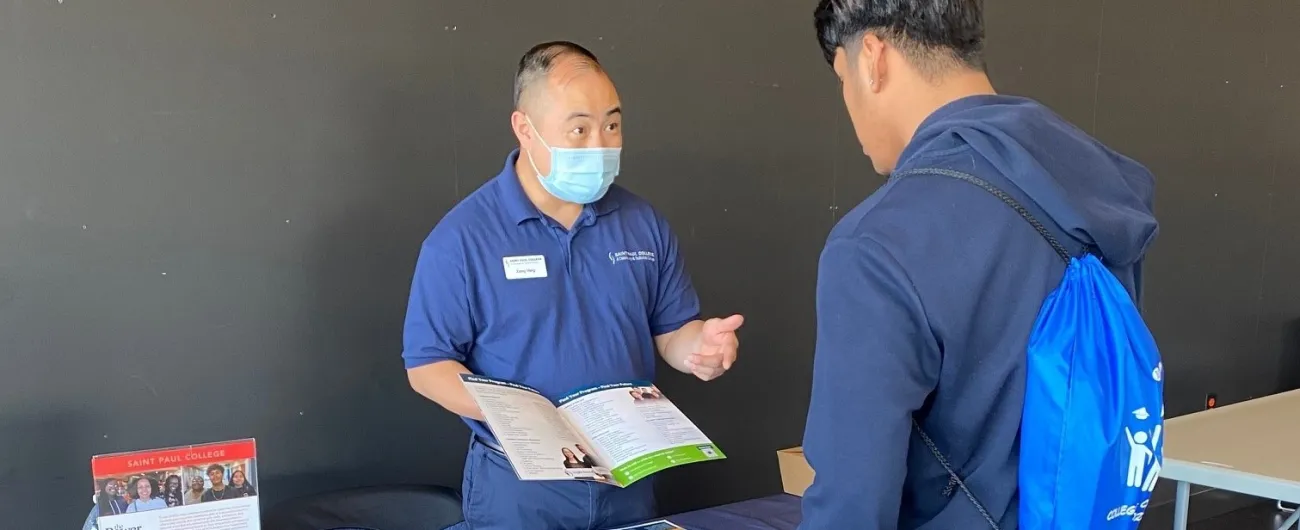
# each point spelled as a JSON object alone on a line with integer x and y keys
{"x": 495, "y": 499}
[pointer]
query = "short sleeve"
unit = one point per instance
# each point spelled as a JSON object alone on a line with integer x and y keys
{"x": 675, "y": 302}
{"x": 438, "y": 325}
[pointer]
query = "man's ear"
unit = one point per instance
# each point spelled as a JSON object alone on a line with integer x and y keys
{"x": 519, "y": 124}
{"x": 874, "y": 66}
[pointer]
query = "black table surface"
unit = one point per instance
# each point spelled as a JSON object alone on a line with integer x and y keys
{"x": 778, "y": 512}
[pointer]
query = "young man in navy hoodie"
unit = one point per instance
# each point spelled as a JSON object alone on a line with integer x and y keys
{"x": 927, "y": 291}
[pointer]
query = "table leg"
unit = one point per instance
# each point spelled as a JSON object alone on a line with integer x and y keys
{"x": 1180, "y": 505}
{"x": 1290, "y": 521}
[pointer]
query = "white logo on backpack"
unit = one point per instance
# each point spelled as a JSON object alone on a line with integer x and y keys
{"x": 1140, "y": 457}
{"x": 1143, "y": 464}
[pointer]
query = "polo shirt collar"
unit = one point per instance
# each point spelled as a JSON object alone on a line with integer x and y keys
{"x": 519, "y": 208}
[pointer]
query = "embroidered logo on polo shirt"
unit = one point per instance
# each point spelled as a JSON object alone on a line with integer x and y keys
{"x": 631, "y": 255}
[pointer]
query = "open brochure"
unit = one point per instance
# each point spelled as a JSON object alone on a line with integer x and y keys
{"x": 617, "y": 433}
{"x": 208, "y": 487}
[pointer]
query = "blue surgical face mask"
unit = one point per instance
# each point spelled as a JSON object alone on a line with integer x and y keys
{"x": 579, "y": 175}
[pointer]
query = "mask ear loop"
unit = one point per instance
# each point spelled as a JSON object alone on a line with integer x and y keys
{"x": 529, "y": 152}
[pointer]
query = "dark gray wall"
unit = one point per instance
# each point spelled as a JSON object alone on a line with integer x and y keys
{"x": 209, "y": 210}
{"x": 1207, "y": 94}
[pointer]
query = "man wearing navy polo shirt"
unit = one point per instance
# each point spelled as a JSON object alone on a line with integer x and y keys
{"x": 552, "y": 276}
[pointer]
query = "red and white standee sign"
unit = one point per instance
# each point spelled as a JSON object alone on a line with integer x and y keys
{"x": 194, "y": 455}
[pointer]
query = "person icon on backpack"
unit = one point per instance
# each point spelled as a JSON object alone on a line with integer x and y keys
{"x": 1152, "y": 474}
{"x": 1138, "y": 456}
{"x": 1153, "y": 471}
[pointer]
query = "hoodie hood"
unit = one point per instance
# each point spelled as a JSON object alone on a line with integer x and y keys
{"x": 1097, "y": 196}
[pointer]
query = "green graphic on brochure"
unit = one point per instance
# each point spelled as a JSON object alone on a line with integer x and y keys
{"x": 615, "y": 433}
{"x": 646, "y": 465}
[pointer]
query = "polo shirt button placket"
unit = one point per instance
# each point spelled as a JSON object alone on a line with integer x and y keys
{"x": 564, "y": 238}
{"x": 585, "y": 221}
{"x": 568, "y": 253}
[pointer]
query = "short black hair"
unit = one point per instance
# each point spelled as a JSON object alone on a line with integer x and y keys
{"x": 931, "y": 33}
{"x": 217, "y": 467}
{"x": 537, "y": 63}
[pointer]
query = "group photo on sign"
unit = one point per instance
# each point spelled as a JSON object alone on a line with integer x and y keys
{"x": 187, "y": 487}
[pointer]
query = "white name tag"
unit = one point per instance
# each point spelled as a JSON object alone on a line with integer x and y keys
{"x": 524, "y": 267}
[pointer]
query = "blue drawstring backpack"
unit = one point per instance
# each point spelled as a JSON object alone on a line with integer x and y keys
{"x": 1090, "y": 434}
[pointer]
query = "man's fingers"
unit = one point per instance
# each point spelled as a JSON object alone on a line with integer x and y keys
{"x": 706, "y": 373}
{"x": 710, "y": 367}
{"x": 721, "y": 326}
{"x": 718, "y": 348}
{"x": 726, "y": 338}
{"x": 731, "y": 323}
{"x": 728, "y": 358}
{"x": 709, "y": 374}
{"x": 706, "y": 360}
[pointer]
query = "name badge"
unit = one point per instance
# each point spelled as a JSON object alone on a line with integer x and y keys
{"x": 524, "y": 267}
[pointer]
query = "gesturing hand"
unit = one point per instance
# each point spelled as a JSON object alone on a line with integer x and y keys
{"x": 717, "y": 350}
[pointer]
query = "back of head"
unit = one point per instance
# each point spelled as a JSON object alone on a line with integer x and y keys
{"x": 933, "y": 34}
{"x": 900, "y": 60}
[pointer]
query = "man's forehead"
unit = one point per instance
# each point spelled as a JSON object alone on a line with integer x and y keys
{"x": 567, "y": 68}
{"x": 574, "y": 84}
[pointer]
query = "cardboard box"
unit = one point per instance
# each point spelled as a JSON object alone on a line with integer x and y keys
{"x": 796, "y": 474}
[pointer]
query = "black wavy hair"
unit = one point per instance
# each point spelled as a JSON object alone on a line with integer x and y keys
{"x": 931, "y": 33}
{"x": 153, "y": 485}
